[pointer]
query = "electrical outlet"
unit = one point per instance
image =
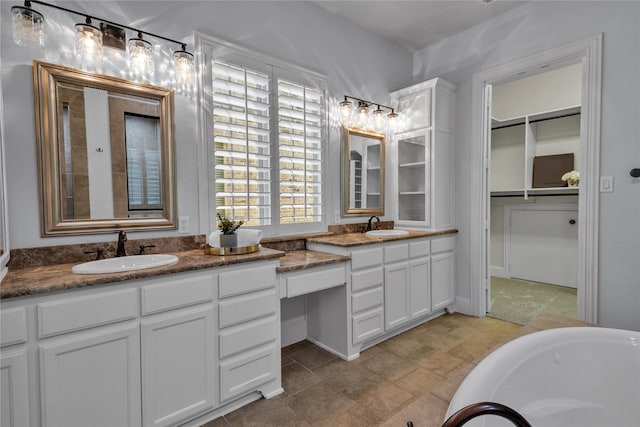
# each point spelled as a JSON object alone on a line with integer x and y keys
{"x": 183, "y": 225}
{"x": 336, "y": 216}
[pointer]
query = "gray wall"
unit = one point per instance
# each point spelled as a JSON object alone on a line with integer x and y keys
{"x": 528, "y": 30}
{"x": 355, "y": 62}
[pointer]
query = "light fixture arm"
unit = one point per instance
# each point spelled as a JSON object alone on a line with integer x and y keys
{"x": 27, "y": 3}
{"x": 368, "y": 102}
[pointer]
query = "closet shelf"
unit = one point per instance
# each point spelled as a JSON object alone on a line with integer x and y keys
{"x": 412, "y": 165}
{"x": 559, "y": 191}
{"x": 412, "y": 193}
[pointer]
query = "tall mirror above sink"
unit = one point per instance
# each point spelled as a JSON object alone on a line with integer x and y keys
{"x": 106, "y": 152}
{"x": 362, "y": 172}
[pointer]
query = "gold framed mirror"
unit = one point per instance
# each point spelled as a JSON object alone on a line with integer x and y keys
{"x": 106, "y": 152}
{"x": 362, "y": 172}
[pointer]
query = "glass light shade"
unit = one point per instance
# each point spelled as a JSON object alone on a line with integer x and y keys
{"x": 345, "y": 111}
{"x": 183, "y": 62}
{"x": 393, "y": 120}
{"x": 140, "y": 59}
{"x": 378, "y": 119}
{"x": 88, "y": 42}
{"x": 28, "y": 26}
{"x": 363, "y": 114}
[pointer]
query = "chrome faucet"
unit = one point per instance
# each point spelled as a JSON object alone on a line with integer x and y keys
{"x": 122, "y": 237}
{"x": 369, "y": 224}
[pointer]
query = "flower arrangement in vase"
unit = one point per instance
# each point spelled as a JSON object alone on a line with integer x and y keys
{"x": 228, "y": 238}
{"x": 572, "y": 178}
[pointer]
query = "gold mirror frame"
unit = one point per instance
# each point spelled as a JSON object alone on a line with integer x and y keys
{"x": 47, "y": 122}
{"x": 345, "y": 194}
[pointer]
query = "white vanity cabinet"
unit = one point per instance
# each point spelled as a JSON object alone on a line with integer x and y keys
{"x": 14, "y": 377}
{"x": 442, "y": 272}
{"x": 423, "y": 159}
{"x": 178, "y": 348}
{"x": 249, "y": 332}
{"x": 407, "y": 282}
{"x": 92, "y": 376}
{"x": 392, "y": 286}
{"x": 160, "y": 351}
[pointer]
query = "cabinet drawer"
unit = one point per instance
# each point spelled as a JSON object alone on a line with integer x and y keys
{"x": 367, "y": 299}
{"x": 247, "y": 307}
{"x": 178, "y": 293}
{"x": 247, "y": 280}
{"x": 13, "y": 327}
{"x": 366, "y": 279}
{"x": 247, "y": 373}
{"x": 366, "y": 258}
{"x": 443, "y": 244}
{"x": 393, "y": 253}
{"x": 418, "y": 249}
{"x": 315, "y": 281}
{"x": 74, "y": 314}
{"x": 249, "y": 335}
{"x": 368, "y": 325}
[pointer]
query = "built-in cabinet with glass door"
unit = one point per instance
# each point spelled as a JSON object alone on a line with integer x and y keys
{"x": 424, "y": 155}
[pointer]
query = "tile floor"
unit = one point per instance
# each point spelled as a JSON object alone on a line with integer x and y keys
{"x": 520, "y": 301}
{"x": 409, "y": 377}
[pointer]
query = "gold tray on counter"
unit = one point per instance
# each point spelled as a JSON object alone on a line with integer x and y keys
{"x": 240, "y": 250}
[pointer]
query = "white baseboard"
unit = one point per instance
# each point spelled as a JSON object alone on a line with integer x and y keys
{"x": 498, "y": 271}
{"x": 330, "y": 350}
{"x": 464, "y": 306}
{"x": 293, "y": 331}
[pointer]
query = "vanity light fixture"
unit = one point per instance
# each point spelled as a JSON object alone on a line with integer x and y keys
{"x": 363, "y": 113}
{"x": 28, "y": 26}
{"x": 28, "y": 29}
{"x": 88, "y": 41}
{"x": 140, "y": 60}
{"x": 379, "y": 117}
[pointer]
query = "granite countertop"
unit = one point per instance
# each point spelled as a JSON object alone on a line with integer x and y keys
{"x": 359, "y": 239}
{"x": 50, "y": 278}
{"x": 300, "y": 260}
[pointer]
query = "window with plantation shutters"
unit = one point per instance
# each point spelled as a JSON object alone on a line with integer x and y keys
{"x": 299, "y": 152}
{"x": 242, "y": 143}
{"x": 266, "y": 134}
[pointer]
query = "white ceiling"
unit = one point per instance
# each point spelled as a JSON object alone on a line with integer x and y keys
{"x": 416, "y": 24}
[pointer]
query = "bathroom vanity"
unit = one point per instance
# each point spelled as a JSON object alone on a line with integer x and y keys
{"x": 144, "y": 348}
{"x": 184, "y": 343}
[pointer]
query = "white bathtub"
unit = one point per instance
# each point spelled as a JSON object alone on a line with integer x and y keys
{"x": 560, "y": 377}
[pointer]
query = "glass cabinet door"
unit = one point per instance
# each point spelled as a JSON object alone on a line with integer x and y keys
{"x": 413, "y": 175}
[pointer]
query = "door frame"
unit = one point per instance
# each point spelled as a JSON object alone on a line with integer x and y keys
{"x": 589, "y": 52}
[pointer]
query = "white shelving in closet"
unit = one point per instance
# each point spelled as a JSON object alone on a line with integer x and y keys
{"x": 516, "y": 142}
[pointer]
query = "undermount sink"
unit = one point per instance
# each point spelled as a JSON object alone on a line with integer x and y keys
{"x": 125, "y": 263}
{"x": 386, "y": 233}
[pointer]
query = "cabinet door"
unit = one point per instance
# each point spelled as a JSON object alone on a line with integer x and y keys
{"x": 14, "y": 383}
{"x": 413, "y": 178}
{"x": 396, "y": 295}
{"x": 442, "y": 280}
{"x": 420, "y": 288}
{"x": 178, "y": 363}
{"x": 92, "y": 379}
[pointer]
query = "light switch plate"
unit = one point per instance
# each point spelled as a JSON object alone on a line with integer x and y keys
{"x": 606, "y": 184}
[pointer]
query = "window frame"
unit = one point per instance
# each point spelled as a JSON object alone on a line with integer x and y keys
{"x": 208, "y": 48}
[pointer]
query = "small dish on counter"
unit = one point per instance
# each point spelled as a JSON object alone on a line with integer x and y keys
{"x": 239, "y": 250}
